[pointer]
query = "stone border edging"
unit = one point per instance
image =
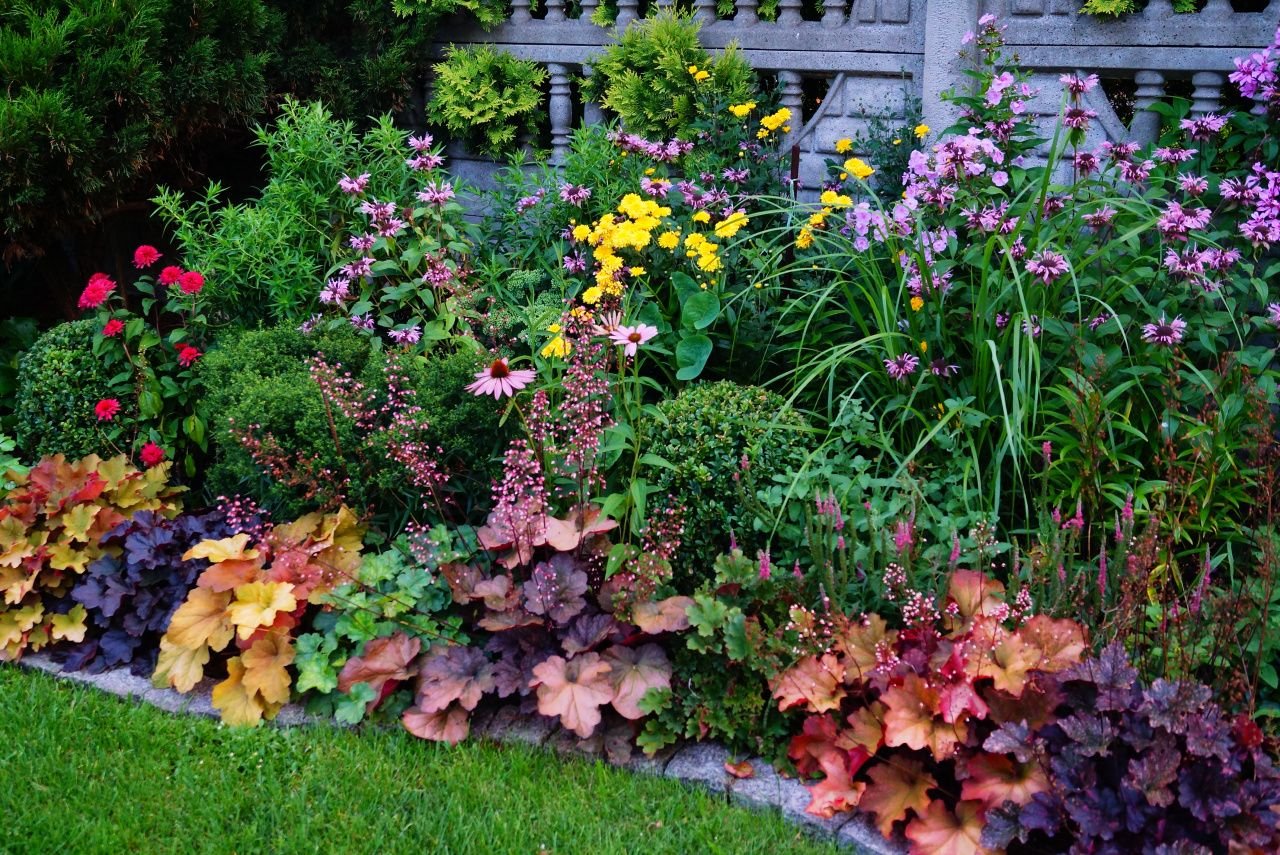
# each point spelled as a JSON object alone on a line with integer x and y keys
{"x": 699, "y": 764}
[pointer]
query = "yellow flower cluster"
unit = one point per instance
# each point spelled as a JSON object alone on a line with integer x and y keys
{"x": 611, "y": 233}
{"x": 704, "y": 252}
{"x": 835, "y": 200}
{"x": 741, "y": 110}
{"x": 730, "y": 225}
{"x": 805, "y": 239}
{"x": 773, "y": 122}
{"x": 558, "y": 347}
{"x": 921, "y": 131}
{"x": 844, "y": 145}
{"x": 858, "y": 168}
{"x": 699, "y": 74}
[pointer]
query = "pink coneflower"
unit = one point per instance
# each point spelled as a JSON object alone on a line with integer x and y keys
{"x": 113, "y": 328}
{"x": 352, "y": 186}
{"x": 1165, "y": 332}
{"x": 106, "y": 409}
{"x": 632, "y": 337}
{"x": 901, "y": 367}
{"x": 145, "y": 256}
{"x": 500, "y": 379}
{"x": 608, "y": 323}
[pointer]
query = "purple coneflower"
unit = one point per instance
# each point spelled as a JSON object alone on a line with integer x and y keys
{"x": 1165, "y": 332}
{"x": 632, "y": 337}
{"x": 500, "y": 379}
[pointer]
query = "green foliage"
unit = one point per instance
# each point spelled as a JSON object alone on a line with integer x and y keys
{"x": 98, "y": 93}
{"x": 392, "y": 595}
{"x": 710, "y": 435}
{"x": 60, "y": 381}
{"x": 1116, "y": 8}
{"x": 16, "y": 335}
{"x": 266, "y": 258}
{"x": 262, "y": 378}
{"x": 487, "y": 97}
{"x": 645, "y": 79}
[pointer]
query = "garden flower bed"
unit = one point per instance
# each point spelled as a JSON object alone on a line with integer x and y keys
{"x": 952, "y": 495}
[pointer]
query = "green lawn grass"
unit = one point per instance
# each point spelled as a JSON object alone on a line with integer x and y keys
{"x": 88, "y": 772}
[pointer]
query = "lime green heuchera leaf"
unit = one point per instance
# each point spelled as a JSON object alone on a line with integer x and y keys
{"x": 70, "y": 626}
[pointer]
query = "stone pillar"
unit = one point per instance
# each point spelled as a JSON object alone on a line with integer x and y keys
{"x": 627, "y": 12}
{"x": 555, "y": 10}
{"x": 592, "y": 114}
{"x": 1145, "y": 127}
{"x": 560, "y": 109}
{"x": 792, "y": 98}
{"x": 833, "y": 14}
{"x": 1206, "y": 97}
{"x": 704, "y": 11}
{"x": 520, "y": 12}
{"x": 944, "y": 27}
{"x": 588, "y": 9}
{"x": 865, "y": 10}
{"x": 789, "y": 12}
{"x": 748, "y": 13}
{"x": 1158, "y": 10}
{"x": 1219, "y": 9}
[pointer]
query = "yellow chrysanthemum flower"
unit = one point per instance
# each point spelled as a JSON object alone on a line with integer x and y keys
{"x": 921, "y": 130}
{"x": 553, "y": 328}
{"x": 843, "y": 145}
{"x": 818, "y": 219}
{"x": 730, "y": 225}
{"x": 741, "y": 110}
{"x": 669, "y": 240}
{"x": 558, "y": 348}
{"x": 592, "y": 295}
{"x": 581, "y": 232}
{"x": 924, "y": 347}
{"x": 637, "y": 271}
{"x": 916, "y": 304}
{"x": 805, "y": 239}
{"x": 702, "y": 76}
{"x": 701, "y": 217}
{"x": 858, "y": 168}
{"x": 834, "y": 199}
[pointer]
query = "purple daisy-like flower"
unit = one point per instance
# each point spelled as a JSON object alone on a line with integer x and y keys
{"x": 1167, "y": 333}
{"x": 1047, "y": 266}
{"x": 1273, "y": 314}
{"x": 362, "y": 243}
{"x": 410, "y": 335}
{"x": 436, "y": 194}
{"x": 1100, "y": 218}
{"x": 901, "y": 367}
{"x": 425, "y": 162}
{"x": 941, "y": 368}
{"x": 1078, "y": 85}
{"x": 575, "y": 194}
{"x": 421, "y": 144}
{"x": 352, "y": 186}
{"x": 575, "y": 263}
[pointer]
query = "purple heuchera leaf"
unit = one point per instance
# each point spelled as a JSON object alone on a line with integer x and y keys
{"x": 1111, "y": 675}
{"x": 1173, "y": 705}
{"x": 1153, "y": 772}
{"x": 555, "y": 589}
{"x": 589, "y": 631}
{"x": 1011, "y": 738}
{"x": 1091, "y": 733}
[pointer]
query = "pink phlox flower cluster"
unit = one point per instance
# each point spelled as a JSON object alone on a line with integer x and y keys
{"x": 991, "y": 219}
{"x": 1262, "y": 228}
{"x": 524, "y": 203}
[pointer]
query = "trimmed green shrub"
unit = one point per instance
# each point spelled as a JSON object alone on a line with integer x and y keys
{"x": 262, "y": 378}
{"x": 487, "y": 97}
{"x": 710, "y": 429}
{"x": 60, "y": 381}
{"x": 645, "y": 76}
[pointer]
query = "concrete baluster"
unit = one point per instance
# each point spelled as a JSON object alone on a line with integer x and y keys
{"x": 592, "y": 114}
{"x": 748, "y": 13}
{"x": 520, "y": 12}
{"x": 789, "y": 12}
{"x": 555, "y": 10}
{"x": 560, "y": 108}
{"x": 627, "y": 12}
{"x": 704, "y": 11}
{"x": 833, "y": 14}
{"x": 1145, "y": 127}
{"x": 1206, "y": 97}
{"x": 793, "y": 99}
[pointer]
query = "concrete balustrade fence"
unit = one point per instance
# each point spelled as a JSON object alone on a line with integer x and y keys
{"x": 874, "y": 56}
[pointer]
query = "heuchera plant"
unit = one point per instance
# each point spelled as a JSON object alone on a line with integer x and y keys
{"x": 255, "y": 595}
{"x": 1133, "y": 769}
{"x": 900, "y": 721}
{"x": 51, "y": 528}
{"x": 131, "y": 591}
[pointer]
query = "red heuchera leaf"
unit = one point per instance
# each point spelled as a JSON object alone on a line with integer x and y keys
{"x": 573, "y": 690}
{"x": 910, "y": 719}
{"x": 993, "y": 779}
{"x": 497, "y": 535}
{"x": 498, "y": 593}
{"x": 384, "y": 659}
{"x": 816, "y": 739}
{"x": 858, "y": 640}
{"x": 836, "y": 792}
{"x": 865, "y": 730}
{"x": 976, "y": 595}
{"x": 634, "y": 672}
{"x": 1036, "y": 705}
{"x": 813, "y": 681}
{"x": 229, "y": 575}
{"x": 461, "y": 674}
{"x": 462, "y": 579}
{"x": 940, "y": 832}
{"x": 740, "y": 770}
{"x": 669, "y": 615}
{"x": 566, "y": 534}
{"x": 451, "y": 726}
{"x": 1061, "y": 642}
{"x": 897, "y": 786}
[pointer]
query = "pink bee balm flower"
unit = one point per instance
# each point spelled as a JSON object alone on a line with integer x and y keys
{"x": 632, "y": 337}
{"x": 901, "y": 367}
{"x": 170, "y": 274}
{"x": 1165, "y": 332}
{"x": 145, "y": 256}
{"x": 151, "y": 454}
{"x": 187, "y": 355}
{"x": 500, "y": 379}
{"x": 1273, "y": 313}
{"x": 106, "y": 409}
{"x": 113, "y": 328}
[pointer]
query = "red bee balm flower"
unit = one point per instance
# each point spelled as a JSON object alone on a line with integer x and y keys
{"x": 145, "y": 256}
{"x": 170, "y": 274}
{"x": 151, "y": 454}
{"x": 96, "y": 292}
{"x": 106, "y": 409}
{"x": 191, "y": 282}
{"x": 114, "y": 327}
{"x": 187, "y": 355}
